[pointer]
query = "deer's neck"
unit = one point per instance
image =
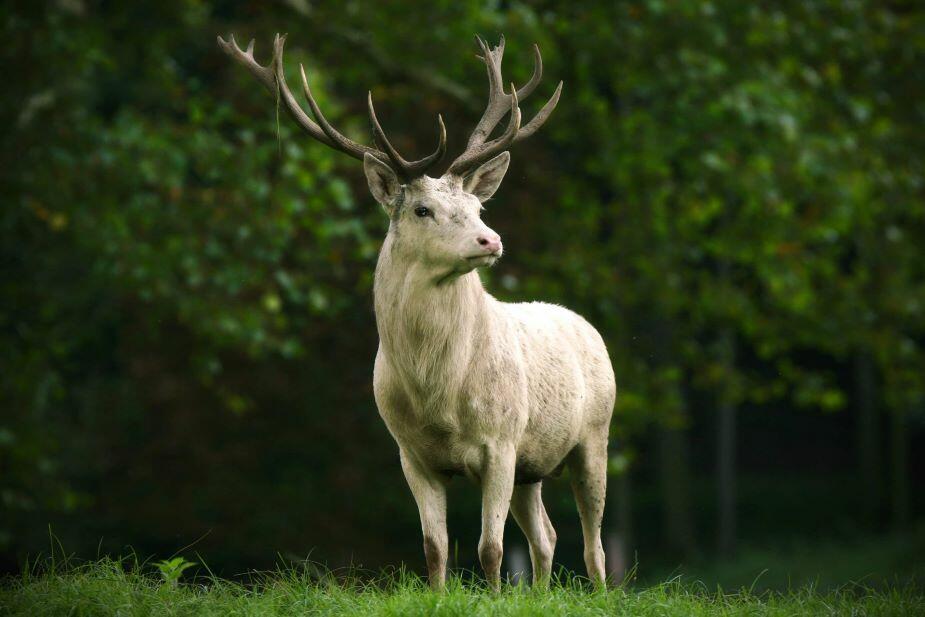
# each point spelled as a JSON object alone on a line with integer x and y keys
{"x": 429, "y": 327}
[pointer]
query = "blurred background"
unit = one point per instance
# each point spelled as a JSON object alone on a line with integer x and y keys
{"x": 732, "y": 192}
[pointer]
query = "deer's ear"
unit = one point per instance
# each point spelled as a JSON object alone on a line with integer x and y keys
{"x": 485, "y": 180}
{"x": 383, "y": 182}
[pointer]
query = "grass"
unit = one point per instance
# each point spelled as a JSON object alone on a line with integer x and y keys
{"x": 111, "y": 587}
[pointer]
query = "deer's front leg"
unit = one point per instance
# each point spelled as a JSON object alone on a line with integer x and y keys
{"x": 430, "y": 495}
{"x": 497, "y": 485}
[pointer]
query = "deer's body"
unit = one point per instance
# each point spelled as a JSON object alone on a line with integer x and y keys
{"x": 469, "y": 372}
{"x": 505, "y": 394}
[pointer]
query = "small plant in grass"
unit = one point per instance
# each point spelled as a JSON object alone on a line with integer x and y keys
{"x": 172, "y": 569}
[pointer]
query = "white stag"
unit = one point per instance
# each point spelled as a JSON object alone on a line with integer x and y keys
{"x": 505, "y": 394}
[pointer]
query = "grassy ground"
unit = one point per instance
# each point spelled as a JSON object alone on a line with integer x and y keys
{"x": 111, "y": 588}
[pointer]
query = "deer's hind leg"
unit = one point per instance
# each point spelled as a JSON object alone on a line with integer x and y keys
{"x": 588, "y": 466}
{"x": 530, "y": 514}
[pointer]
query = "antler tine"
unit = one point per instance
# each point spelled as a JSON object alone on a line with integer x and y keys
{"x": 541, "y": 116}
{"x": 405, "y": 168}
{"x": 344, "y": 144}
{"x": 272, "y": 78}
{"x": 482, "y": 152}
{"x": 264, "y": 74}
{"x": 498, "y": 100}
{"x": 499, "y": 103}
{"x": 534, "y": 81}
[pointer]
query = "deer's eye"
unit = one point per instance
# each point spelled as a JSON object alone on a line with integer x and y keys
{"x": 421, "y": 211}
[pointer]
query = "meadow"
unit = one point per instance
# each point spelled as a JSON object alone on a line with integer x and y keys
{"x": 130, "y": 587}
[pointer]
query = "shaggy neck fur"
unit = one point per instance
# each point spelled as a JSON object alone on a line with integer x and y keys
{"x": 429, "y": 327}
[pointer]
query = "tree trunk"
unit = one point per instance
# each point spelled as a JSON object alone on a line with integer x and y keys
{"x": 726, "y": 456}
{"x": 619, "y": 540}
{"x": 675, "y": 479}
{"x": 673, "y": 461}
{"x": 899, "y": 468}
{"x": 868, "y": 435}
{"x": 518, "y": 563}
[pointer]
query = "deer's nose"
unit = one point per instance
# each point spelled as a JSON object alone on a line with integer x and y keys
{"x": 490, "y": 242}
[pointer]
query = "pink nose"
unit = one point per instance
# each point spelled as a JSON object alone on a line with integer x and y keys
{"x": 490, "y": 242}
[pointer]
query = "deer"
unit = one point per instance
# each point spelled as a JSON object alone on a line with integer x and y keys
{"x": 505, "y": 394}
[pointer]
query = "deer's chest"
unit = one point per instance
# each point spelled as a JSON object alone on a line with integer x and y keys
{"x": 447, "y": 428}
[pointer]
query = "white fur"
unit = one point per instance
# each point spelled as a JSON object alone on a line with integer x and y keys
{"x": 505, "y": 394}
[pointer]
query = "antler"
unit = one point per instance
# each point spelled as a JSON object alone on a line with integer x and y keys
{"x": 499, "y": 103}
{"x": 412, "y": 169}
{"x": 273, "y": 79}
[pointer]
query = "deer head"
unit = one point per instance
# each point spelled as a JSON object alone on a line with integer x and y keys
{"x": 434, "y": 222}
